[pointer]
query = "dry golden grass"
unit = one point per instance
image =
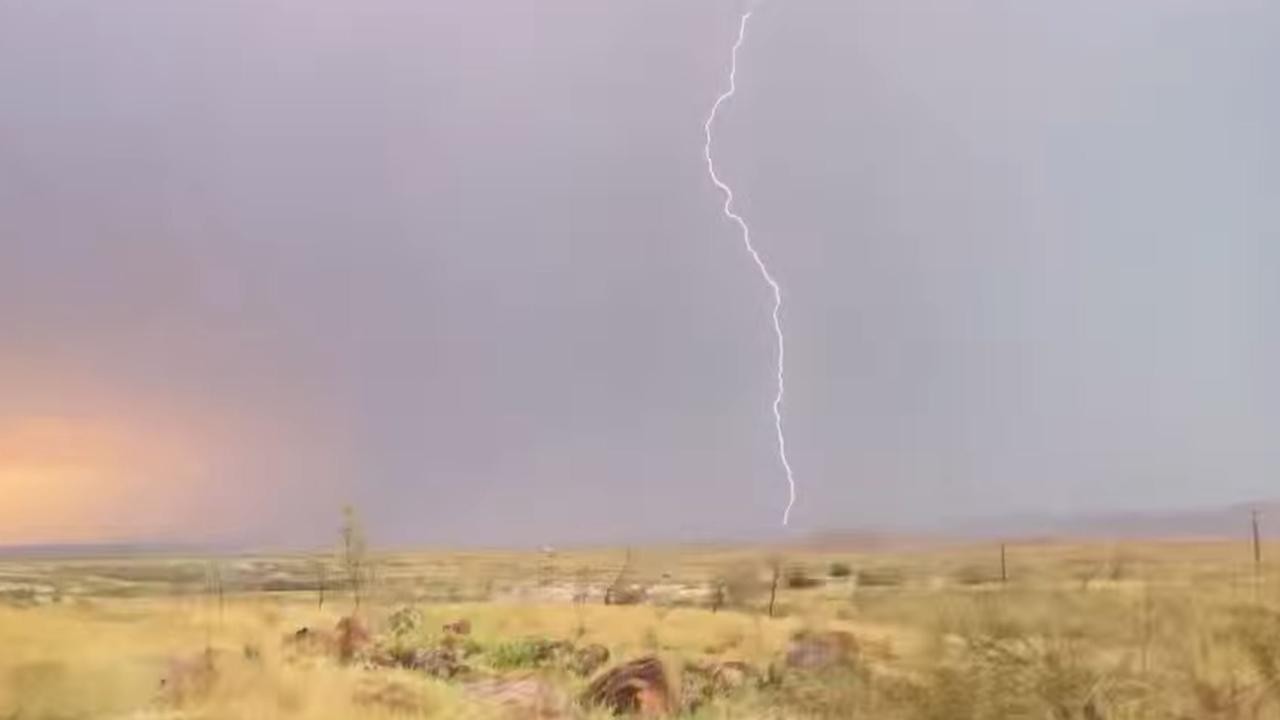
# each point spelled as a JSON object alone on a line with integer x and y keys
{"x": 106, "y": 658}
{"x": 1137, "y": 630}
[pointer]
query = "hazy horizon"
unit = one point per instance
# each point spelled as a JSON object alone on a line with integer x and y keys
{"x": 460, "y": 264}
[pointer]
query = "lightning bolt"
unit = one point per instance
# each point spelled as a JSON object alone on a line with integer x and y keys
{"x": 764, "y": 269}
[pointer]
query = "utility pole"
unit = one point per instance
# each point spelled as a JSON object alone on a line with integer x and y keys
{"x": 1004, "y": 569}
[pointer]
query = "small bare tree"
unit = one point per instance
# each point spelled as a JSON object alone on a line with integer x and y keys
{"x": 617, "y": 592}
{"x": 775, "y": 565}
{"x": 581, "y": 590}
{"x": 354, "y": 548}
{"x": 546, "y": 571}
{"x": 322, "y": 578}
{"x": 213, "y": 586}
{"x": 717, "y": 594}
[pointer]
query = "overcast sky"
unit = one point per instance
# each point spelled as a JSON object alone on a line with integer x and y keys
{"x": 460, "y": 264}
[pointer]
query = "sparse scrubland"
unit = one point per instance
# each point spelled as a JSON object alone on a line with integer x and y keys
{"x": 1076, "y": 631}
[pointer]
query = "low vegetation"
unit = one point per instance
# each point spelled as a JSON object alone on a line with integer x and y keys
{"x": 1181, "y": 630}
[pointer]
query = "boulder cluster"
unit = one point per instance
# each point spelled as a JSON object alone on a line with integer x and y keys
{"x": 641, "y": 686}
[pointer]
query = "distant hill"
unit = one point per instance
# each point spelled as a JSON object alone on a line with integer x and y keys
{"x": 1227, "y": 522}
{"x": 1232, "y": 521}
{"x": 864, "y": 541}
{"x": 99, "y": 550}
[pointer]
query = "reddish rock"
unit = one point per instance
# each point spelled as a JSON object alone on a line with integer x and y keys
{"x": 638, "y": 687}
{"x": 821, "y": 650}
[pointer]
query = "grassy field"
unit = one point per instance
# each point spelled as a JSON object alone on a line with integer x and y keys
{"x": 1088, "y": 630}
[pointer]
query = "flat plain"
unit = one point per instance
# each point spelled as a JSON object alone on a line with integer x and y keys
{"x": 1059, "y": 630}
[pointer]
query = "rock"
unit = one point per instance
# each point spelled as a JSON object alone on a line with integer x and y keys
{"x": 436, "y": 662}
{"x": 639, "y": 686}
{"x": 819, "y": 651}
{"x": 458, "y": 627}
{"x": 585, "y": 661}
{"x": 349, "y": 640}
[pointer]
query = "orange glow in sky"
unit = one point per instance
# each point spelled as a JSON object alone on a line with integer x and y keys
{"x": 73, "y": 480}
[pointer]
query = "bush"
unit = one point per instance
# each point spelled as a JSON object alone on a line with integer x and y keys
{"x": 798, "y": 579}
{"x": 518, "y": 654}
{"x": 975, "y": 575}
{"x": 880, "y": 577}
{"x": 742, "y": 584}
{"x": 840, "y": 570}
{"x": 527, "y": 653}
{"x": 405, "y": 622}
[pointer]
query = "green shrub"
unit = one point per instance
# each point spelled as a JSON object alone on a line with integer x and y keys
{"x": 405, "y": 622}
{"x": 518, "y": 654}
{"x": 840, "y": 570}
{"x": 527, "y": 653}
